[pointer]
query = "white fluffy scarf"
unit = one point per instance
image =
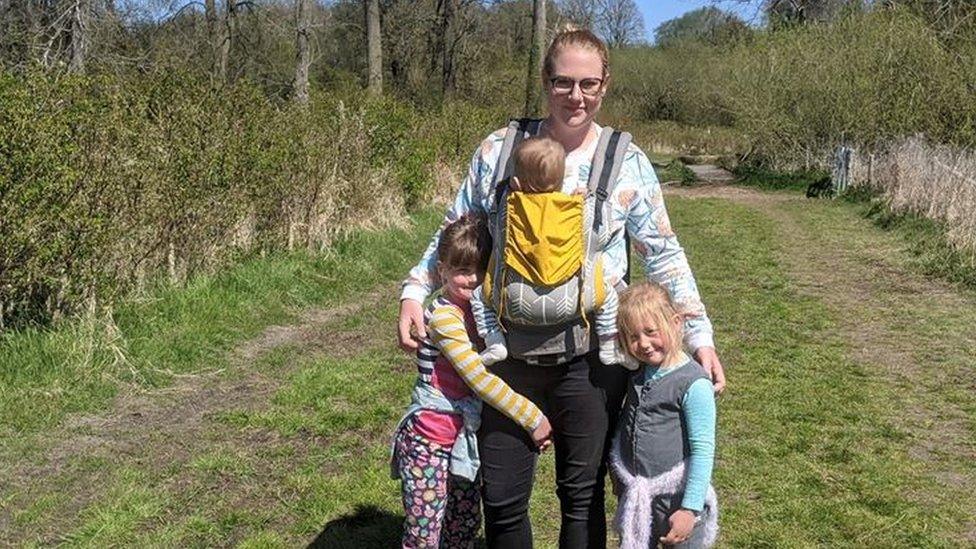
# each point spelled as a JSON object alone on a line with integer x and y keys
{"x": 633, "y": 518}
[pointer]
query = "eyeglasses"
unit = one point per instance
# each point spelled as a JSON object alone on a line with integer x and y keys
{"x": 564, "y": 85}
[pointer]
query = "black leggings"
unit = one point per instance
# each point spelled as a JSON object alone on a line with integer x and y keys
{"x": 582, "y": 400}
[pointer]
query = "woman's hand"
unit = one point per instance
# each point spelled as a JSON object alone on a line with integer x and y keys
{"x": 682, "y": 523}
{"x": 411, "y": 330}
{"x": 707, "y": 357}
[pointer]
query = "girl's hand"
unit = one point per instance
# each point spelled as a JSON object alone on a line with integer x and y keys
{"x": 542, "y": 435}
{"x": 682, "y": 523}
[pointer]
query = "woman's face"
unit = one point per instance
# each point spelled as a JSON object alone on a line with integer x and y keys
{"x": 575, "y": 68}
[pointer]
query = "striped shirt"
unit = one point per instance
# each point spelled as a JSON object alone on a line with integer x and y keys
{"x": 448, "y": 360}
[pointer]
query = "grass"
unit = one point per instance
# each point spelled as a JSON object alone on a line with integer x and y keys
{"x": 79, "y": 366}
{"x": 771, "y": 180}
{"x": 813, "y": 449}
{"x": 925, "y": 240}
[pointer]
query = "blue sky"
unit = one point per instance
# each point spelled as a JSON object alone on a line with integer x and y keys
{"x": 658, "y": 11}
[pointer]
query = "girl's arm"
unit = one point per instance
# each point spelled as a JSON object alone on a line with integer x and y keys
{"x": 446, "y": 330}
{"x": 698, "y": 409}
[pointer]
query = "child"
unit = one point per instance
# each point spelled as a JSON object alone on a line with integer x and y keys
{"x": 540, "y": 164}
{"x": 663, "y": 453}
{"x": 434, "y": 448}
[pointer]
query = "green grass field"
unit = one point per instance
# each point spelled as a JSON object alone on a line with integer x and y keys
{"x": 254, "y": 409}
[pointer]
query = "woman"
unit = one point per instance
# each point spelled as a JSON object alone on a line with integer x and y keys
{"x": 580, "y": 397}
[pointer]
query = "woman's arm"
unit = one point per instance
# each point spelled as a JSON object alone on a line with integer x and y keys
{"x": 423, "y": 279}
{"x": 639, "y": 195}
{"x": 639, "y": 206}
{"x": 449, "y": 335}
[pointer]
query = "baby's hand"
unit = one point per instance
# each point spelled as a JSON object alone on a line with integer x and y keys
{"x": 682, "y": 523}
{"x": 542, "y": 435}
{"x": 578, "y": 190}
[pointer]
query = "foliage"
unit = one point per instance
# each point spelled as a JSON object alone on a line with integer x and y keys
{"x": 795, "y": 94}
{"x": 109, "y": 182}
{"x": 710, "y": 25}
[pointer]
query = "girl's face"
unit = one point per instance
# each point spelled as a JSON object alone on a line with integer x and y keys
{"x": 576, "y": 87}
{"x": 648, "y": 343}
{"x": 459, "y": 283}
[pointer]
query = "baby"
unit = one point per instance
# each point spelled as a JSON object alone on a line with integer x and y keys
{"x": 540, "y": 165}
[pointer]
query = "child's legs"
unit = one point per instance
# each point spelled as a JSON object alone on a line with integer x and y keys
{"x": 423, "y": 480}
{"x": 462, "y": 519}
{"x": 661, "y": 508}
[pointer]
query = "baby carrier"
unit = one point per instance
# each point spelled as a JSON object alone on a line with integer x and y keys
{"x": 545, "y": 277}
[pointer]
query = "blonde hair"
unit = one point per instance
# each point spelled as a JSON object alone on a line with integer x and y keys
{"x": 573, "y": 37}
{"x": 540, "y": 165}
{"x": 649, "y": 302}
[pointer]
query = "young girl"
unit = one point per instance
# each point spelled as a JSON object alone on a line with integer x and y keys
{"x": 435, "y": 452}
{"x": 663, "y": 453}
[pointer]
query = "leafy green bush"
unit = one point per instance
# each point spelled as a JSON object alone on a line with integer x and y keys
{"x": 109, "y": 182}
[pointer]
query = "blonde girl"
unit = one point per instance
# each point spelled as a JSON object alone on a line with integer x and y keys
{"x": 664, "y": 450}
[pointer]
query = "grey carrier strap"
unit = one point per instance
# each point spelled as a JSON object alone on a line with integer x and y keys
{"x": 534, "y": 333}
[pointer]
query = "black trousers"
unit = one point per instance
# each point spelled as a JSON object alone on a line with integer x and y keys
{"x": 582, "y": 400}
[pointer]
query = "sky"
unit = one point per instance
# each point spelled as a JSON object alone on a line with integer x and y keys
{"x": 658, "y": 11}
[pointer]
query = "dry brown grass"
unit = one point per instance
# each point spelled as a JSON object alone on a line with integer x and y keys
{"x": 922, "y": 178}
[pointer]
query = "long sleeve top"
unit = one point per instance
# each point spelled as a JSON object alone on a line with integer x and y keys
{"x": 698, "y": 415}
{"x": 637, "y": 207}
{"x": 448, "y": 340}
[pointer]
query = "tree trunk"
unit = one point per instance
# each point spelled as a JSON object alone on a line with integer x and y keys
{"x": 533, "y": 82}
{"x": 375, "y": 47}
{"x": 303, "y": 58}
{"x": 214, "y": 38}
{"x": 79, "y": 36}
{"x": 227, "y": 37}
{"x": 448, "y": 79}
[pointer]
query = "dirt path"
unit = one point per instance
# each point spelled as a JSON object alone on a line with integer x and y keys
{"x": 913, "y": 331}
{"x": 166, "y": 428}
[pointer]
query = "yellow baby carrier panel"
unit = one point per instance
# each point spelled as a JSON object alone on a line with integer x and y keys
{"x": 545, "y": 277}
{"x": 544, "y": 236}
{"x": 543, "y": 274}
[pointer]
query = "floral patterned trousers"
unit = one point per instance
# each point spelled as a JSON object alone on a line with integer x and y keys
{"x": 442, "y": 510}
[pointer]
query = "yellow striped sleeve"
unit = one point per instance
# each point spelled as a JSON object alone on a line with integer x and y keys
{"x": 446, "y": 330}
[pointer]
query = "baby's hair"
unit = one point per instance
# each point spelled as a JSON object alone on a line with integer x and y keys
{"x": 465, "y": 243}
{"x": 649, "y": 302}
{"x": 572, "y": 36}
{"x": 540, "y": 164}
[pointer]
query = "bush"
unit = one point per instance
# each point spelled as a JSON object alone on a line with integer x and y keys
{"x": 108, "y": 183}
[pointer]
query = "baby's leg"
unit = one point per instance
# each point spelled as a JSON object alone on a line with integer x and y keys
{"x": 463, "y": 516}
{"x": 423, "y": 480}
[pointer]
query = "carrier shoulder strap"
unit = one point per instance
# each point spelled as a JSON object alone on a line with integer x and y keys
{"x": 607, "y": 160}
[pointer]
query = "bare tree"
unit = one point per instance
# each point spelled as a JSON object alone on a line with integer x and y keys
{"x": 79, "y": 36}
{"x": 583, "y": 13}
{"x": 213, "y": 39}
{"x": 533, "y": 97}
{"x": 375, "y": 47}
{"x": 303, "y": 56}
{"x": 619, "y": 22}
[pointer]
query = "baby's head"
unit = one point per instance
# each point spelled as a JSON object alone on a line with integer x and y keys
{"x": 540, "y": 163}
{"x": 649, "y": 326}
{"x": 462, "y": 255}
